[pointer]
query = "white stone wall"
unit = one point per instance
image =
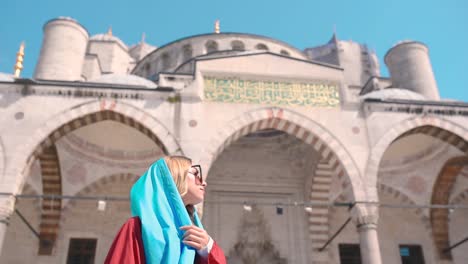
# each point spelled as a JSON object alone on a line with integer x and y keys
{"x": 113, "y": 58}
{"x": 354, "y": 140}
{"x": 91, "y": 67}
{"x": 21, "y": 245}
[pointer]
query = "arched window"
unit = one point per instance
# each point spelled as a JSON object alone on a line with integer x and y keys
{"x": 261, "y": 46}
{"x": 237, "y": 45}
{"x": 147, "y": 68}
{"x": 211, "y": 46}
{"x": 187, "y": 52}
{"x": 284, "y": 52}
{"x": 165, "y": 61}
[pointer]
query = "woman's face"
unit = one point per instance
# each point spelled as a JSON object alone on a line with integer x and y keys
{"x": 195, "y": 186}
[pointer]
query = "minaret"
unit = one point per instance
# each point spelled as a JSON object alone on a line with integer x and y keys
{"x": 19, "y": 60}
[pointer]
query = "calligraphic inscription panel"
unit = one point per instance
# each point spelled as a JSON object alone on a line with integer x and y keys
{"x": 234, "y": 90}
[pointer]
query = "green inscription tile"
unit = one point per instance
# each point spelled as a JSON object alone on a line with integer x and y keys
{"x": 232, "y": 90}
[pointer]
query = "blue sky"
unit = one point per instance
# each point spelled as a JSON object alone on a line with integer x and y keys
{"x": 442, "y": 25}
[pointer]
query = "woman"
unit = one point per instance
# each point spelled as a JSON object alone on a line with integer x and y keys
{"x": 165, "y": 227}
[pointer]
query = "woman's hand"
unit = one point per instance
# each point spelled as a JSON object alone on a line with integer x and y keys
{"x": 195, "y": 237}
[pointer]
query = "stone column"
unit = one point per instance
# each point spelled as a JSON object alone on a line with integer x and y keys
{"x": 366, "y": 218}
{"x": 7, "y": 204}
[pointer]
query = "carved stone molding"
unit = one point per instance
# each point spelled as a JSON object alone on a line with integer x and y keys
{"x": 365, "y": 216}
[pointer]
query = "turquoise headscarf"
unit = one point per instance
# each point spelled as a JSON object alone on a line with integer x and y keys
{"x": 155, "y": 199}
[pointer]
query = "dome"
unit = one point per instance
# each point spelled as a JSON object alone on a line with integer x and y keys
{"x": 5, "y": 77}
{"x": 172, "y": 56}
{"x": 125, "y": 79}
{"x": 394, "y": 93}
{"x": 107, "y": 37}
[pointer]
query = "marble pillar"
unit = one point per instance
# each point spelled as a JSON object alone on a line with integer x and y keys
{"x": 366, "y": 217}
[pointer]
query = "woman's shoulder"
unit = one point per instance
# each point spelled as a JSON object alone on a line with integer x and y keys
{"x": 133, "y": 223}
{"x": 134, "y": 220}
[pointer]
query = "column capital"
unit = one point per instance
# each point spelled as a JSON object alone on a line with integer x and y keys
{"x": 7, "y": 206}
{"x": 365, "y": 215}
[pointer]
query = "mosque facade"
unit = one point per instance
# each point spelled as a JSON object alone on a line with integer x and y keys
{"x": 310, "y": 156}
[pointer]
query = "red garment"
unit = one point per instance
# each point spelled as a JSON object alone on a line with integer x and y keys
{"x": 127, "y": 247}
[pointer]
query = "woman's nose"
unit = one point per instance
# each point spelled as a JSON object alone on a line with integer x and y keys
{"x": 204, "y": 184}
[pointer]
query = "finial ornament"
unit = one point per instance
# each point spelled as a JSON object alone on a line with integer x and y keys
{"x": 19, "y": 60}
{"x": 143, "y": 37}
{"x": 109, "y": 31}
{"x": 216, "y": 28}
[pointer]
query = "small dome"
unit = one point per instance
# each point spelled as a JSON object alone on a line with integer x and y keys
{"x": 67, "y": 18}
{"x": 142, "y": 45}
{"x": 140, "y": 50}
{"x": 5, "y": 77}
{"x": 125, "y": 79}
{"x": 394, "y": 93}
{"x": 107, "y": 37}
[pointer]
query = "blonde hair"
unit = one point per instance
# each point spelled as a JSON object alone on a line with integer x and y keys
{"x": 179, "y": 166}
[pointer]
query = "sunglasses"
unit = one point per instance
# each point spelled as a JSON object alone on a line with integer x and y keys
{"x": 198, "y": 174}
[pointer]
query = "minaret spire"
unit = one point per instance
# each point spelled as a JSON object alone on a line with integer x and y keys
{"x": 19, "y": 60}
{"x": 216, "y": 27}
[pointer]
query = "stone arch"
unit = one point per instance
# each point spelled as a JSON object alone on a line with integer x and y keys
{"x": 211, "y": 46}
{"x": 335, "y": 160}
{"x": 237, "y": 45}
{"x": 261, "y": 46}
{"x": 51, "y": 185}
{"x": 440, "y": 195}
{"x": 288, "y": 121}
{"x": 41, "y": 145}
{"x": 85, "y": 114}
{"x": 285, "y": 53}
{"x": 431, "y": 126}
{"x": 428, "y": 125}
